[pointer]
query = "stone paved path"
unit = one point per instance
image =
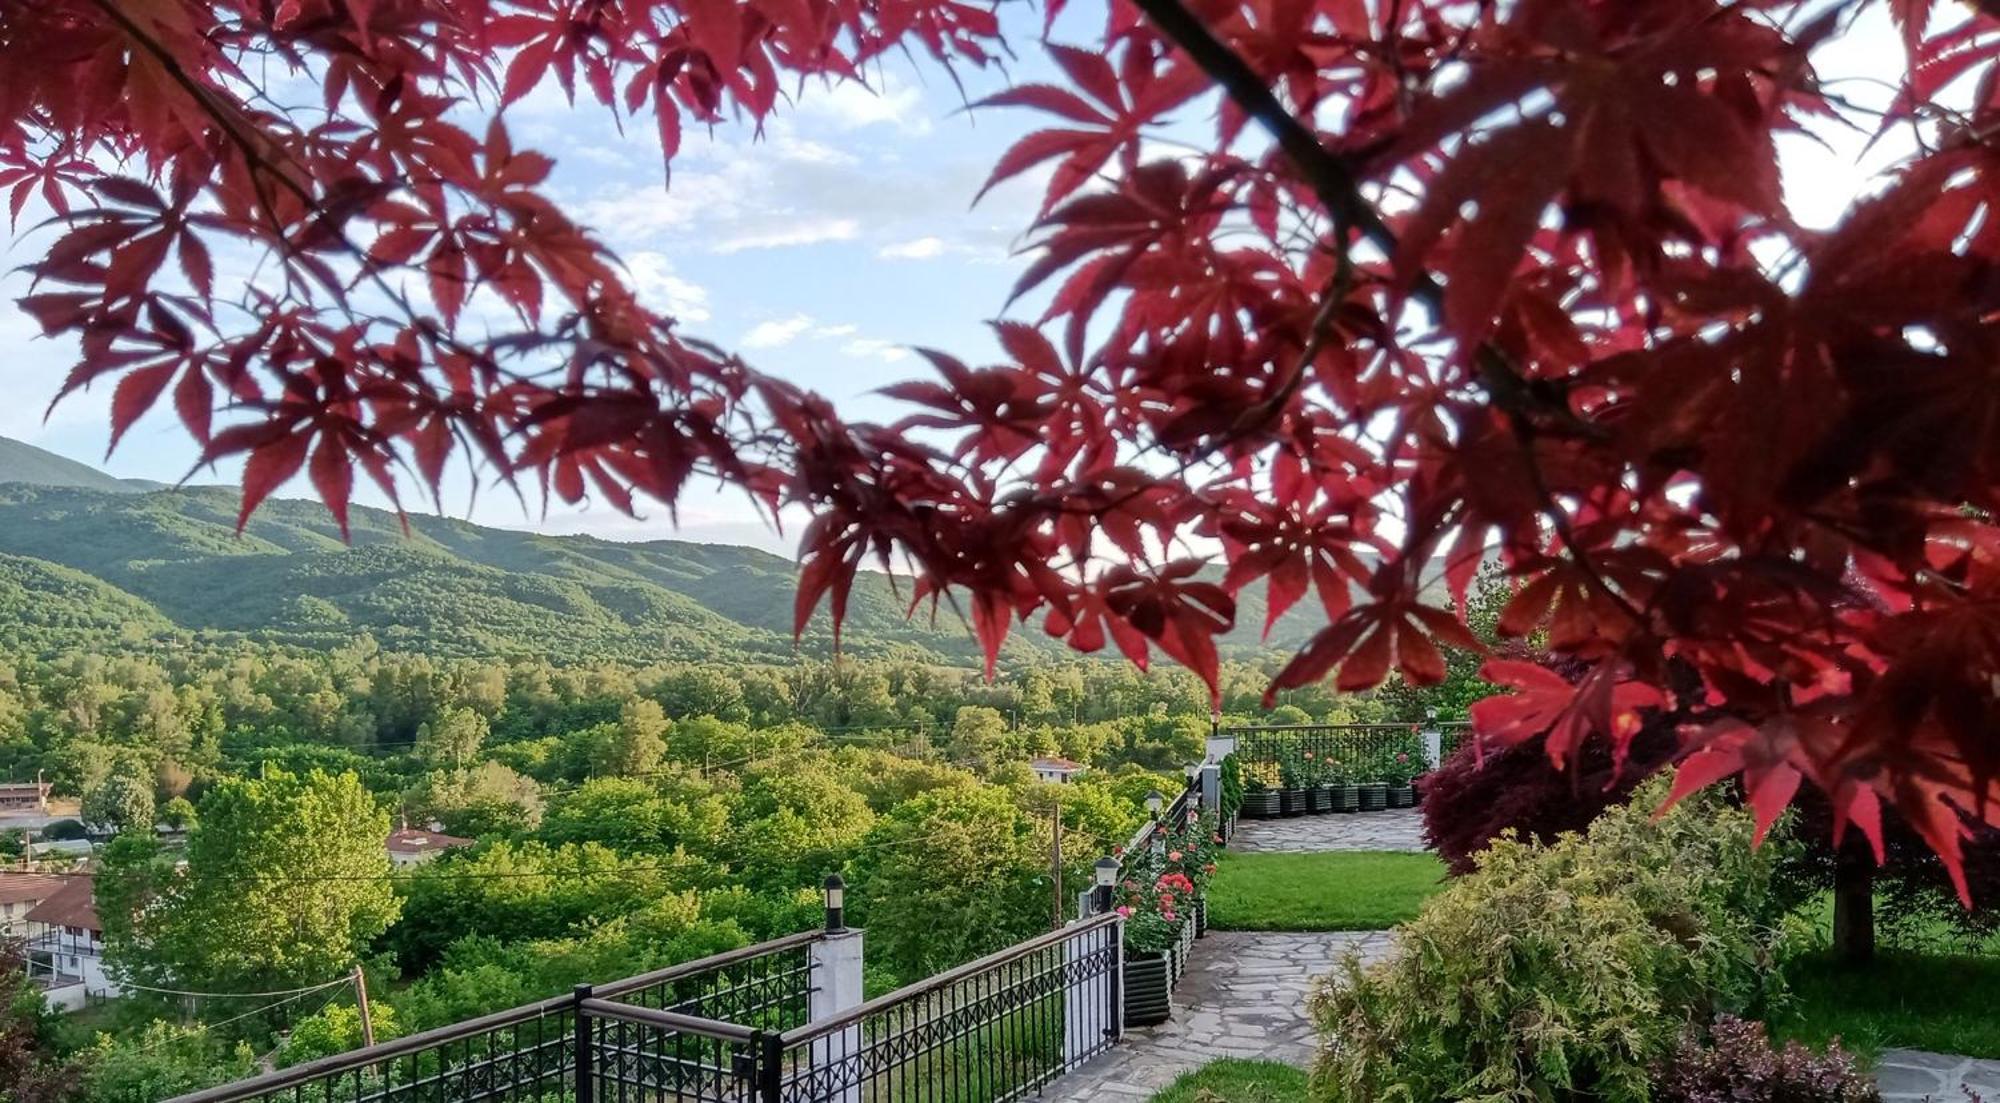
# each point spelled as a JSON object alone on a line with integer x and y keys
{"x": 1392, "y": 829}
{"x": 1914, "y": 1076}
{"x": 1244, "y": 996}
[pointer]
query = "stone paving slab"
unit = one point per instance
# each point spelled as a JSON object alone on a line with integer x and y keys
{"x": 1244, "y": 996}
{"x": 1390, "y": 829}
{"x": 1914, "y": 1076}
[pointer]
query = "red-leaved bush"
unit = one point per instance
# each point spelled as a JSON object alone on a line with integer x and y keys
{"x": 1736, "y": 1063}
{"x": 1341, "y": 295}
{"x": 1471, "y": 798}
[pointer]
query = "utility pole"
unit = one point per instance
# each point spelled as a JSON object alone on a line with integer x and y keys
{"x": 361, "y": 999}
{"x": 1056, "y": 868}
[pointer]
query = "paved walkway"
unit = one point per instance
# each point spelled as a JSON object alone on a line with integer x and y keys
{"x": 1391, "y": 829}
{"x": 1914, "y": 1076}
{"x": 1244, "y": 996}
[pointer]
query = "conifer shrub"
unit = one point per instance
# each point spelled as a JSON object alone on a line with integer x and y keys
{"x": 1562, "y": 972}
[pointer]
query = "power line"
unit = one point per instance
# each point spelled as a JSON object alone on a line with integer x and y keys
{"x": 308, "y": 989}
{"x": 203, "y": 1028}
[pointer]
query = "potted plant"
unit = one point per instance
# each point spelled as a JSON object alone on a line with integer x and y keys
{"x": 1401, "y": 771}
{"x": 1155, "y": 944}
{"x": 1374, "y": 796}
{"x": 1346, "y": 797}
{"x": 1319, "y": 789}
{"x": 1291, "y": 783}
{"x": 1260, "y": 797}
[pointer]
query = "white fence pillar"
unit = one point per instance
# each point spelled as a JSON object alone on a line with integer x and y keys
{"x": 1211, "y": 788}
{"x": 837, "y": 986}
{"x": 1221, "y": 747}
{"x": 1095, "y": 960}
{"x": 1433, "y": 747}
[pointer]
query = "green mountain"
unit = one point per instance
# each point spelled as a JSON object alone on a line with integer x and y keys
{"x": 145, "y": 563}
{"x": 25, "y": 463}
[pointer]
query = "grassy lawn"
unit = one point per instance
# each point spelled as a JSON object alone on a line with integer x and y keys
{"x": 1234, "y": 1080}
{"x": 1917, "y": 1001}
{"x": 1361, "y": 890}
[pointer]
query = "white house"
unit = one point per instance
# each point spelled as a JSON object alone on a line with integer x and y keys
{"x": 1057, "y": 770}
{"x": 410, "y": 847}
{"x": 66, "y": 946}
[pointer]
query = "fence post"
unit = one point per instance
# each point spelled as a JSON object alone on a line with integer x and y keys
{"x": 586, "y": 1049}
{"x": 1433, "y": 747}
{"x": 837, "y": 986}
{"x": 1220, "y": 747}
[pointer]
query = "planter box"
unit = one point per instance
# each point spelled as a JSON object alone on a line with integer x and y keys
{"x": 1374, "y": 796}
{"x": 1292, "y": 802}
{"x": 1402, "y": 796}
{"x": 1347, "y": 798}
{"x": 1148, "y": 989}
{"x": 1260, "y": 804}
{"x": 1319, "y": 799}
{"x": 1201, "y": 917}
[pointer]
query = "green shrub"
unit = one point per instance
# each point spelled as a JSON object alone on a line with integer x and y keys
{"x": 1560, "y": 973}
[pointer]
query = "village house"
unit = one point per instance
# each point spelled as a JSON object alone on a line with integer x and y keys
{"x": 66, "y": 946}
{"x": 1057, "y": 770}
{"x": 24, "y": 796}
{"x": 411, "y": 847}
{"x": 20, "y": 891}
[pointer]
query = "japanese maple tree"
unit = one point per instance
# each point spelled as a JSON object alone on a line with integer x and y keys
{"x": 1438, "y": 281}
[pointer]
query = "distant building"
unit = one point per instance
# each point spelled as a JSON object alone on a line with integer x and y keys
{"x": 66, "y": 946}
{"x": 410, "y": 847}
{"x": 1057, "y": 770}
{"x": 24, "y": 796}
{"x": 20, "y": 892}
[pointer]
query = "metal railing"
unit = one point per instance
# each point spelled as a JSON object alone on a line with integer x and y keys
{"x": 738, "y": 1028}
{"x": 988, "y": 1031}
{"x": 1367, "y": 751}
{"x": 654, "y": 1029}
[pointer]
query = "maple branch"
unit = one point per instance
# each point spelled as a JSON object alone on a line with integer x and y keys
{"x": 1338, "y": 187}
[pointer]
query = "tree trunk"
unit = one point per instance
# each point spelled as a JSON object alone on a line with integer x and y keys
{"x": 1854, "y": 903}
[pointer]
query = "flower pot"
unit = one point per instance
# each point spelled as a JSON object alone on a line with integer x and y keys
{"x": 1292, "y": 802}
{"x": 1148, "y": 988}
{"x": 1375, "y": 796}
{"x": 1319, "y": 799}
{"x": 1402, "y": 796}
{"x": 1346, "y": 798}
{"x": 1260, "y": 804}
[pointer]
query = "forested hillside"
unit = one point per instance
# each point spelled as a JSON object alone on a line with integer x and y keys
{"x": 170, "y": 560}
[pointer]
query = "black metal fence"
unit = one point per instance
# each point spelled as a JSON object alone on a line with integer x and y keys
{"x": 662, "y": 1031}
{"x": 989, "y": 1031}
{"x": 1362, "y": 752}
{"x": 739, "y": 1028}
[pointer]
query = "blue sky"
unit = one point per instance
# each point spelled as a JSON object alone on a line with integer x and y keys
{"x": 821, "y": 250}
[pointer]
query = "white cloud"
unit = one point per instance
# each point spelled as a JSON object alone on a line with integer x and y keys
{"x": 923, "y": 248}
{"x": 659, "y": 288}
{"x": 770, "y": 335}
{"x": 845, "y": 329}
{"x": 806, "y": 232}
{"x": 876, "y": 348}
{"x": 851, "y": 106}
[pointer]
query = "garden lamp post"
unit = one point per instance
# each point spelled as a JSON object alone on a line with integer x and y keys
{"x": 836, "y": 901}
{"x": 1106, "y": 872}
{"x": 1154, "y": 802}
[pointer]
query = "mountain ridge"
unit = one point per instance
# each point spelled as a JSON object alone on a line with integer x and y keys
{"x": 444, "y": 585}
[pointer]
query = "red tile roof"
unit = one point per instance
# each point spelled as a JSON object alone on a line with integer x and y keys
{"x": 411, "y": 841}
{"x": 1057, "y": 764}
{"x": 72, "y": 905}
{"x": 17, "y": 886}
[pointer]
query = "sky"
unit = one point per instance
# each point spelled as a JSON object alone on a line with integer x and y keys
{"x": 822, "y": 250}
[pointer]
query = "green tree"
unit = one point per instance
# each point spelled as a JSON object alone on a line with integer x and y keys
{"x": 979, "y": 738}
{"x": 179, "y": 814}
{"x": 285, "y": 884}
{"x": 452, "y": 738}
{"x": 121, "y": 802}
{"x": 953, "y": 874}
